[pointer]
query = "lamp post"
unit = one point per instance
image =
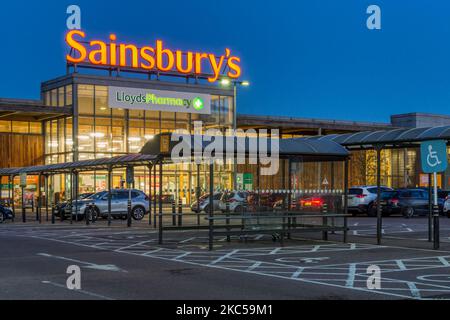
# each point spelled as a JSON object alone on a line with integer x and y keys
{"x": 225, "y": 82}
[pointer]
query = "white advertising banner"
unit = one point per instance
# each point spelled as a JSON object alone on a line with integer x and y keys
{"x": 159, "y": 100}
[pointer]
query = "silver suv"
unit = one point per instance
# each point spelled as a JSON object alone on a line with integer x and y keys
{"x": 361, "y": 199}
{"x": 204, "y": 202}
{"x": 119, "y": 204}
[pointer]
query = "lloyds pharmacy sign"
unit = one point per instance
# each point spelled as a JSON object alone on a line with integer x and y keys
{"x": 159, "y": 100}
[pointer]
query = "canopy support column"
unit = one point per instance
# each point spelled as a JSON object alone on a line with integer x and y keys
{"x": 211, "y": 205}
{"x": 379, "y": 213}
{"x": 39, "y": 203}
{"x": 11, "y": 194}
{"x": 345, "y": 197}
{"x": 110, "y": 176}
{"x": 154, "y": 195}
{"x": 46, "y": 196}
{"x": 160, "y": 214}
{"x": 430, "y": 208}
{"x": 150, "y": 167}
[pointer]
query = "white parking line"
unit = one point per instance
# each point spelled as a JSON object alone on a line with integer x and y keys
{"x": 96, "y": 295}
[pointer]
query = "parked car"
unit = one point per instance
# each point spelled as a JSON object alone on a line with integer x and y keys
{"x": 408, "y": 202}
{"x": 60, "y": 208}
{"x": 237, "y": 201}
{"x": 5, "y": 213}
{"x": 119, "y": 204}
{"x": 165, "y": 198}
{"x": 204, "y": 202}
{"x": 362, "y": 199}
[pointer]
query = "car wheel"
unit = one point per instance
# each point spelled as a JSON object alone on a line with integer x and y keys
{"x": 408, "y": 212}
{"x": 92, "y": 214}
{"x": 206, "y": 209}
{"x": 138, "y": 213}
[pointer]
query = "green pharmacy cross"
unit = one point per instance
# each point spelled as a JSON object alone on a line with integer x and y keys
{"x": 198, "y": 104}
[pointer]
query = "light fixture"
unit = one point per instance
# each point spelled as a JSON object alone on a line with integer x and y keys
{"x": 225, "y": 82}
{"x": 102, "y": 144}
{"x": 53, "y": 144}
{"x": 83, "y": 138}
{"x": 149, "y": 137}
{"x": 245, "y": 83}
{"x": 97, "y": 134}
{"x": 102, "y": 108}
{"x": 134, "y": 139}
{"x": 69, "y": 142}
{"x": 135, "y": 147}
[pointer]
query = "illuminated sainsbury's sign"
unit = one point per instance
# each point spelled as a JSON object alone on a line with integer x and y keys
{"x": 156, "y": 58}
{"x": 159, "y": 100}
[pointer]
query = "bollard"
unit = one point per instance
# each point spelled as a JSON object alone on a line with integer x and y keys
{"x": 180, "y": 212}
{"x": 325, "y": 221}
{"x": 53, "y": 214}
{"x": 436, "y": 234}
{"x": 63, "y": 212}
{"x": 88, "y": 212}
{"x": 174, "y": 213}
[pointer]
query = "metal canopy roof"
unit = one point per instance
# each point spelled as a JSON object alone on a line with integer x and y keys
{"x": 85, "y": 165}
{"x": 389, "y": 137}
{"x": 163, "y": 145}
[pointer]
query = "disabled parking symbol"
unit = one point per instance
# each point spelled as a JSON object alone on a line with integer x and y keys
{"x": 434, "y": 156}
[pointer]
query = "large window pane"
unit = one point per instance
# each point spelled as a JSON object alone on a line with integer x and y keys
{"x": 101, "y": 101}
{"x": 85, "y": 99}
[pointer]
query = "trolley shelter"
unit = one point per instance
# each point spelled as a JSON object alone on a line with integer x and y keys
{"x": 394, "y": 139}
{"x": 255, "y": 217}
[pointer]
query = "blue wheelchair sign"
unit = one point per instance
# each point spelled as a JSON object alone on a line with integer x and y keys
{"x": 434, "y": 156}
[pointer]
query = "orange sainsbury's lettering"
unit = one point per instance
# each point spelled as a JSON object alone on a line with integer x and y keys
{"x": 76, "y": 45}
{"x": 123, "y": 48}
{"x": 235, "y": 69}
{"x": 189, "y": 62}
{"x": 153, "y": 58}
{"x": 148, "y": 58}
{"x": 102, "y": 52}
{"x": 160, "y": 53}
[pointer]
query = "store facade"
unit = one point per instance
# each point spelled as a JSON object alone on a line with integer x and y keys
{"x": 107, "y": 121}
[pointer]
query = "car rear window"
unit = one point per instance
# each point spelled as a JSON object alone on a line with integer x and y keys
{"x": 355, "y": 191}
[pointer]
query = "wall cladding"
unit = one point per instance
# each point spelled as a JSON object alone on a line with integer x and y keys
{"x": 18, "y": 150}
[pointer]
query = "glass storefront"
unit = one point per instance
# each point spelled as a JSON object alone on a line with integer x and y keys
{"x": 104, "y": 132}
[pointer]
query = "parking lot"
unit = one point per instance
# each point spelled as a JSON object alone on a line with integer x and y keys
{"x": 127, "y": 263}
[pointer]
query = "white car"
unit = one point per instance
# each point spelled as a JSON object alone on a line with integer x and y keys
{"x": 362, "y": 198}
{"x": 447, "y": 207}
{"x": 235, "y": 199}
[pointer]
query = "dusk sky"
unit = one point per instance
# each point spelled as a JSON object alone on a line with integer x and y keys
{"x": 303, "y": 58}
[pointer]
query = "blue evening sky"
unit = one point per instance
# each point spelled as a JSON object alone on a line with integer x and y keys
{"x": 312, "y": 58}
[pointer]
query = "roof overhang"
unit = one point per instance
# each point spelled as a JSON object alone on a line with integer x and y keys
{"x": 30, "y": 110}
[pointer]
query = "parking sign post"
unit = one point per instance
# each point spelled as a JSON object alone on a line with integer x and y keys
{"x": 23, "y": 184}
{"x": 434, "y": 159}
